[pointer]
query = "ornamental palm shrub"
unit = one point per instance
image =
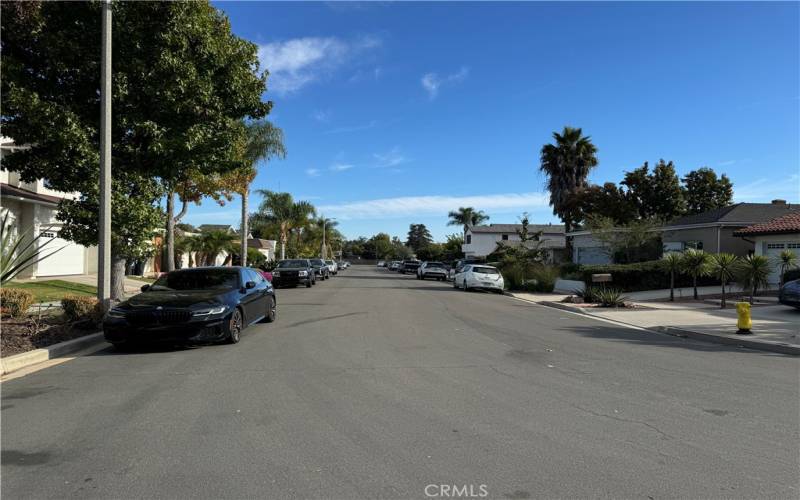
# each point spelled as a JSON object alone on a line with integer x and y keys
{"x": 696, "y": 263}
{"x": 723, "y": 267}
{"x": 673, "y": 262}
{"x": 753, "y": 273}
{"x": 786, "y": 260}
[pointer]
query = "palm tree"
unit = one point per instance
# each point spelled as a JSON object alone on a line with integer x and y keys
{"x": 753, "y": 273}
{"x": 786, "y": 260}
{"x": 696, "y": 263}
{"x": 212, "y": 243}
{"x": 674, "y": 263}
{"x": 264, "y": 142}
{"x": 567, "y": 164}
{"x": 328, "y": 227}
{"x": 282, "y": 210}
{"x": 723, "y": 266}
{"x": 466, "y": 217}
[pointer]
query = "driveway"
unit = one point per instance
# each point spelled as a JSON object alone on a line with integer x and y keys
{"x": 375, "y": 385}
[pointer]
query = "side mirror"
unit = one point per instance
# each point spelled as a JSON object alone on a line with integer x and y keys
{"x": 250, "y": 284}
{"x": 145, "y": 288}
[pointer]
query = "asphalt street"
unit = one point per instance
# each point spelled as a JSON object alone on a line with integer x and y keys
{"x": 375, "y": 385}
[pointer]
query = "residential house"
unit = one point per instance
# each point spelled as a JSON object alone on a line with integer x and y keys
{"x": 773, "y": 237}
{"x": 480, "y": 241}
{"x": 265, "y": 247}
{"x": 32, "y": 209}
{"x": 712, "y": 231}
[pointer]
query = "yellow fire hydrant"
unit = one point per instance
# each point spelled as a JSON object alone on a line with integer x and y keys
{"x": 744, "y": 322}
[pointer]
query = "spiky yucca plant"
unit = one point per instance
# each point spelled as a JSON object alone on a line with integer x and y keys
{"x": 695, "y": 263}
{"x": 753, "y": 273}
{"x": 674, "y": 263}
{"x": 723, "y": 267}
{"x": 20, "y": 251}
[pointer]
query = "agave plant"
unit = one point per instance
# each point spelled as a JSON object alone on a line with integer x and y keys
{"x": 723, "y": 267}
{"x": 20, "y": 251}
{"x": 610, "y": 297}
{"x": 753, "y": 273}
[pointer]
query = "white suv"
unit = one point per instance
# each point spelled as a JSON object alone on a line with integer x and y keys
{"x": 479, "y": 276}
{"x": 333, "y": 267}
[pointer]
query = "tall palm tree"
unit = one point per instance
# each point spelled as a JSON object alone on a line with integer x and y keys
{"x": 566, "y": 163}
{"x": 786, "y": 260}
{"x": 281, "y": 209}
{"x": 724, "y": 266}
{"x": 674, "y": 263}
{"x": 696, "y": 263}
{"x": 466, "y": 217}
{"x": 753, "y": 273}
{"x": 264, "y": 142}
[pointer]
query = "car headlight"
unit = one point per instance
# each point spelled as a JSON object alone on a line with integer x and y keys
{"x": 276, "y": 274}
{"x": 211, "y": 312}
{"x": 303, "y": 273}
{"x": 115, "y": 312}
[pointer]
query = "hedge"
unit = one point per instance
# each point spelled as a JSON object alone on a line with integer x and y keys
{"x": 650, "y": 275}
{"x": 14, "y": 301}
{"x": 80, "y": 308}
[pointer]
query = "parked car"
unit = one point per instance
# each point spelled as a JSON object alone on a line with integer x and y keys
{"x": 395, "y": 265}
{"x": 293, "y": 272}
{"x": 207, "y": 304}
{"x": 432, "y": 270}
{"x": 266, "y": 274}
{"x": 321, "y": 269}
{"x": 790, "y": 294}
{"x": 343, "y": 264}
{"x": 459, "y": 264}
{"x": 333, "y": 267}
{"x": 381, "y": 263}
{"x": 479, "y": 276}
{"x": 409, "y": 266}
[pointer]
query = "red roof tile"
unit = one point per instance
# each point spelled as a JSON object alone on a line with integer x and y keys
{"x": 789, "y": 223}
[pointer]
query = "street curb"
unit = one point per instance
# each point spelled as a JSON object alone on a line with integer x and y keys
{"x": 760, "y": 345}
{"x": 26, "y": 359}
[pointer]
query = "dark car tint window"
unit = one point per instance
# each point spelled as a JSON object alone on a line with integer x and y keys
{"x": 485, "y": 270}
{"x": 434, "y": 264}
{"x": 318, "y": 262}
{"x": 203, "y": 279}
{"x": 293, "y": 263}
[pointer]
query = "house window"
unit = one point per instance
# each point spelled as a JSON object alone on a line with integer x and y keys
{"x": 775, "y": 245}
{"x": 47, "y": 234}
{"x": 505, "y": 237}
{"x": 469, "y": 239}
{"x": 793, "y": 245}
{"x": 697, "y": 245}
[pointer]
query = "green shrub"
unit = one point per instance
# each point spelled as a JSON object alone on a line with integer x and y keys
{"x": 610, "y": 297}
{"x": 15, "y": 302}
{"x": 255, "y": 258}
{"x": 82, "y": 308}
{"x": 588, "y": 294}
{"x": 536, "y": 278}
{"x": 650, "y": 275}
{"x": 791, "y": 274}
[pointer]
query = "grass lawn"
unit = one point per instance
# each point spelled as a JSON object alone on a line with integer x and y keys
{"x": 141, "y": 278}
{"x": 54, "y": 290}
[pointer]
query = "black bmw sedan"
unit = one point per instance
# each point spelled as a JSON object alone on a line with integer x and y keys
{"x": 207, "y": 304}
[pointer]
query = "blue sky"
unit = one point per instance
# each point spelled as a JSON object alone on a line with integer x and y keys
{"x": 396, "y": 113}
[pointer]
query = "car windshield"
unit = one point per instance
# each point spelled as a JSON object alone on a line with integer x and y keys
{"x": 318, "y": 262}
{"x": 329, "y": 262}
{"x": 201, "y": 279}
{"x": 292, "y": 263}
{"x": 485, "y": 270}
{"x": 434, "y": 264}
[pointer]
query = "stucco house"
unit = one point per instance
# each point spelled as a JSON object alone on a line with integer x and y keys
{"x": 773, "y": 237}
{"x": 32, "y": 207}
{"x": 480, "y": 241}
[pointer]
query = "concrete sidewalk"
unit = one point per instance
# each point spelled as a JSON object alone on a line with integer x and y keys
{"x": 774, "y": 326}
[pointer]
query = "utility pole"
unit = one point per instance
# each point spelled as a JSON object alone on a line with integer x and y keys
{"x": 104, "y": 240}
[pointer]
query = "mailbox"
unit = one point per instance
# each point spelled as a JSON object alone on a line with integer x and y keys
{"x": 601, "y": 278}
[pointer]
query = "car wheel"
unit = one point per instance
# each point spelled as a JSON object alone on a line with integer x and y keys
{"x": 272, "y": 310}
{"x": 308, "y": 284}
{"x": 233, "y": 326}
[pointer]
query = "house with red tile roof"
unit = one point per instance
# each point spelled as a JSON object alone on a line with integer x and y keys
{"x": 772, "y": 237}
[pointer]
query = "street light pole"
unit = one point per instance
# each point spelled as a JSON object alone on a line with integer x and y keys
{"x": 104, "y": 236}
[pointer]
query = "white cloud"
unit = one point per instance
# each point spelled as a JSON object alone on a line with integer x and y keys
{"x": 313, "y": 172}
{"x": 341, "y": 167}
{"x": 352, "y": 128}
{"x": 432, "y": 82}
{"x": 295, "y": 63}
{"x": 322, "y": 116}
{"x": 434, "y": 205}
{"x": 390, "y": 159}
{"x": 766, "y": 189}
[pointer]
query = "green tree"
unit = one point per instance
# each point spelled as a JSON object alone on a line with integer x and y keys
{"x": 696, "y": 263}
{"x": 723, "y": 267}
{"x": 279, "y": 210}
{"x": 418, "y": 237}
{"x": 608, "y": 200}
{"x": 704, "y": 191}
{"x": 635, "y": 241}
{"x": 673, "y": 261}
{"x": 566, "y": 163}
{"x": 182, "y": 83}
{"x": 466, "y": 217}
{"x": 212, "y": 243}
{"x": 381, "y": 246}
{"x": 452, "y": 247}
{"x": 786, "y": 260}
{"x": 656, "y": 195}
{"x": 524, "y": 256}
{"x": 753, "y": 273}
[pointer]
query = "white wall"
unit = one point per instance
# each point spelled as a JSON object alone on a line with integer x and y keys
{"x": 786, "y": 241}
{"x": 482, "y": 244}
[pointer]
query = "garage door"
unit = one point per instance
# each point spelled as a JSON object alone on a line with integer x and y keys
{"x": 68, "y": 260}
{"x": 773, "y": 252}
